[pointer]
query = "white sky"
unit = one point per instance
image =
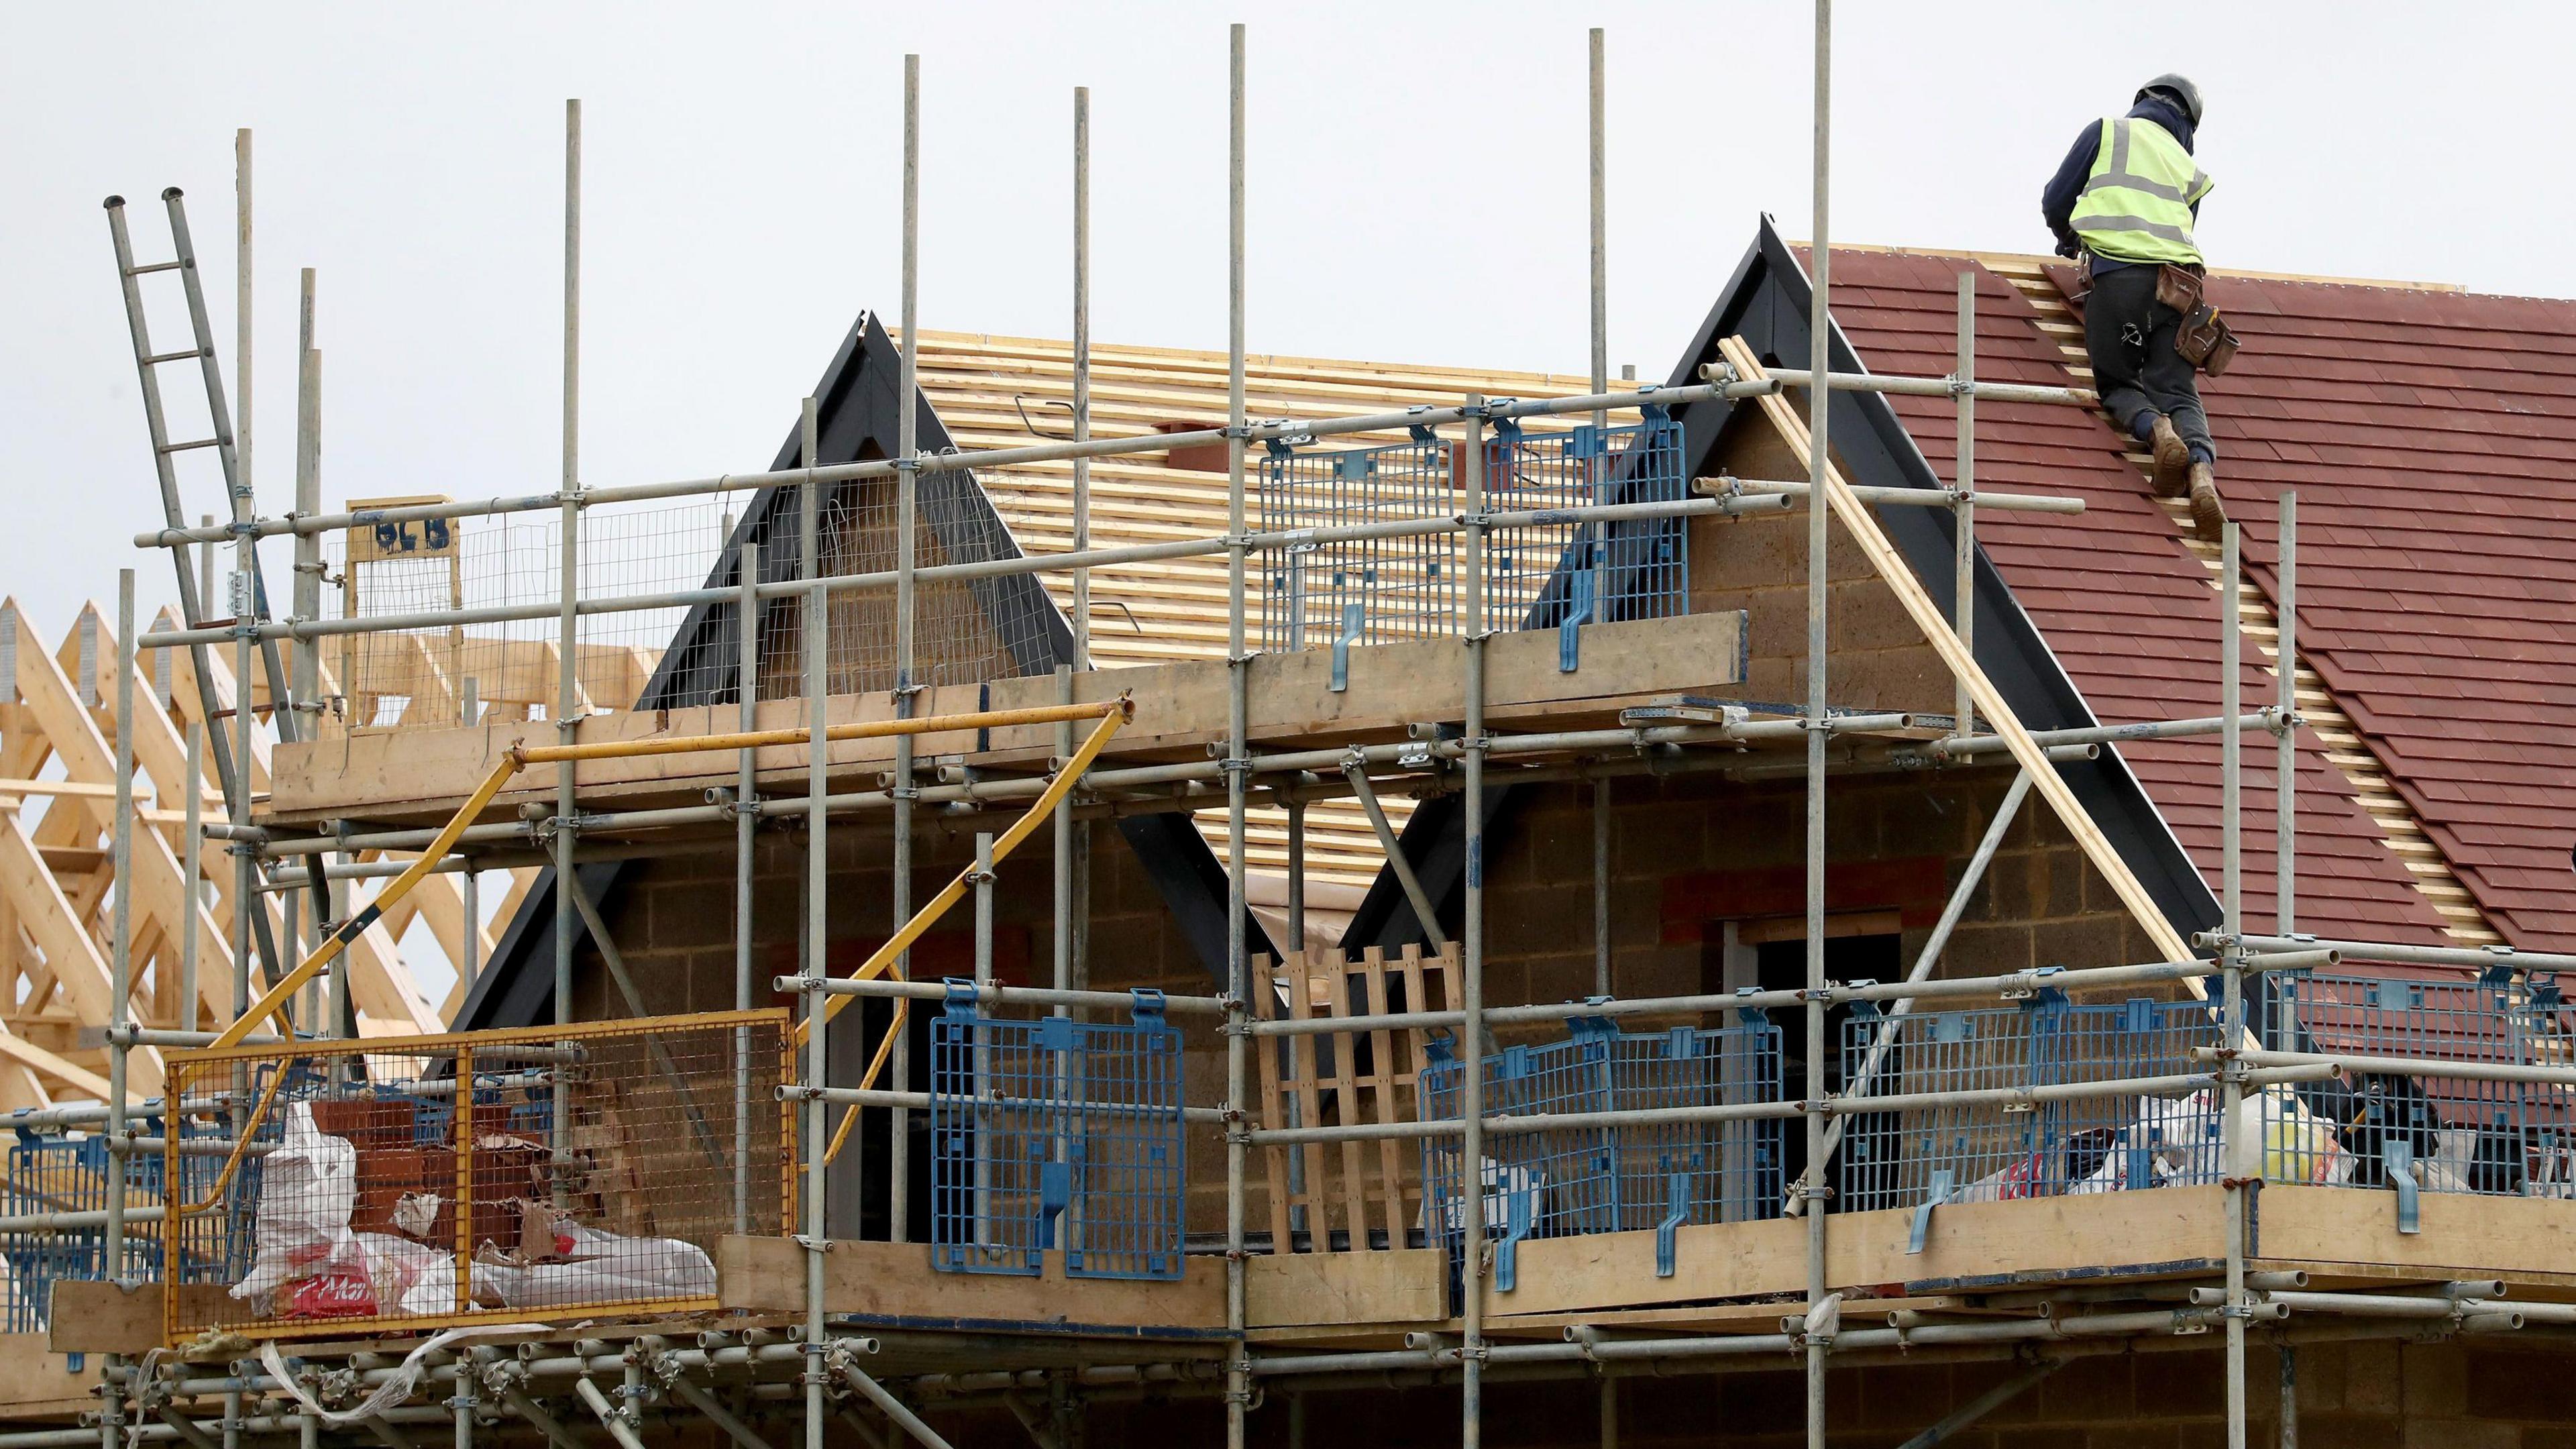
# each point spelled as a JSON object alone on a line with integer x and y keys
{"x": 1416, "y": 192}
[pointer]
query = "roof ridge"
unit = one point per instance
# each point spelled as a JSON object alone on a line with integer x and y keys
{"x": 2036, "y": 259}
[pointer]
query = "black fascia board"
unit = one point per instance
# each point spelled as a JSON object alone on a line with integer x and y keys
{"x": 1769, "y": 308}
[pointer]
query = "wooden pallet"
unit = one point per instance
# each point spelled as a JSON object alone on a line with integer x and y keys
{"x": 1372, "y": 1203}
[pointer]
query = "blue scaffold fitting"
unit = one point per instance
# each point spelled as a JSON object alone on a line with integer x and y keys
{"x": 1354, "y": 624}
{"x": 1668, "y": 1231}
{"x": 2400, "y": 1157}
{"x": 1922, "y": 1229}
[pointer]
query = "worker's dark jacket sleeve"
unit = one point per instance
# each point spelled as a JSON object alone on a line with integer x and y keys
{"x": 2057, "y": 202}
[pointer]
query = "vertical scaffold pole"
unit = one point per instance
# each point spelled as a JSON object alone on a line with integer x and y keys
{"x": 2285, "y": 804}
{"x": 1471, "y": 1030}
{"x": 1081, "y": 369}
{"x": 1296, "y": 810}
{"x": 1819, "y": 413}
{"x": 246, "y": 558}
{"x": 1078, "y": 944}
{"x": 1600, "y": 230}
{"x": 814, "y": 634}
{"x": 243, "y": 313}
{"x": 191, "y": 870}
{"x": 1061, "y": 935}
{"x": 1963, "y": 577}
{"x": 907, "y": 505}
{"x": 746, "y": 819}
{"x": 120, "y": 991}
{"x": 2285, "y": 795}
{"x": 1238, "y": 960}
{"x": 120, "y": 987}
{"x": 1600, "y": 420}
{"x": 567, "y": 585}
{"x": 469, "y": 959}
{"x": 307, "y": 595}
{"x": 2231, "y": 924}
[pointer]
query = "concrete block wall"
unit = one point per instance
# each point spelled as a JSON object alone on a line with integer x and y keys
{"x": 1690, "y": 852}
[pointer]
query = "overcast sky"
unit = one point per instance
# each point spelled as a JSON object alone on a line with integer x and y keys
{"x": 1416, "y": 193}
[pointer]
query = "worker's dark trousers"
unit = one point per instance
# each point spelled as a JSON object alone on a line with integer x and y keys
{"x": 2131, "y": 338}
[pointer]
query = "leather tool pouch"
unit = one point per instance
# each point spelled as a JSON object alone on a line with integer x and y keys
{"x": 2204, "y": 340}
{"x": 2178, "y": 288}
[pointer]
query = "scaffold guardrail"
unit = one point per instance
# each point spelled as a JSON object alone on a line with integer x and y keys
{"x": 1985, "y": 1150}
{"x": 2425, "y": 1132}
{"x": 1053, "y": 1134}
{"x": 1336, "y": 591}
{"x": 398, "y": 1183}
{"x": 1562, "y": 1182}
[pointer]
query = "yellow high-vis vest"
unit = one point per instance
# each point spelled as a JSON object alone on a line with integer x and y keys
{"x": 2136, "y": 206}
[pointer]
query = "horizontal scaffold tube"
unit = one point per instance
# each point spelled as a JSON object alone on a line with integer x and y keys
{"x": 1844, "y": 1105}
{"x": 2350, "y": 1064}
{"x": 1278, "y": 429}
{"x": 1589, "y": 1345}
{"x": 1789, "y": 377}
{"x": 920, "y": 1102}
{"x": 1908, "y": 497}
{"x": 2018, "y": 983}
{"x": 993, "y": 994}
{"x": 2162, "y": 729}
{"x": 2474, "y": 957}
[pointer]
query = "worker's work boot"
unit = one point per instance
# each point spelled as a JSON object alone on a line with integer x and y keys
{"x": 2208, "y": 515}
{"x": 2173, "y": 459}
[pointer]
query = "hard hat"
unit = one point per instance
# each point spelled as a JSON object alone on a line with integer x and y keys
{"x": 2182, "y": 87}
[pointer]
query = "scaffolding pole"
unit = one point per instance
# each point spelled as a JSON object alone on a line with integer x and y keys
{"x": 1073, "y": 841}
{"x": 1963, "y": 575}
{"x": 813, "y": 641}
{"x": 2232, "y": 958}
{"x": 2285, "y": 796}
{"x": 1599, "y": 93}
{"x": 1820, "y": 324}
{"x": 2285, "y": 791}
{"x": 1238, "y": 746}
{"x": 906, "y": 602}
{"x": 1471, "y": 1092}
{"x": 307, "y": 593}
{"x": 568, "y": 623}
{"x": 746, "y": 820}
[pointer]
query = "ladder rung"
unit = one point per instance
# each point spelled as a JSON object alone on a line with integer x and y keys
{"x": 155, "y": 267}
{"x": 158, "y": 358}
{"x": 184, "y": 447}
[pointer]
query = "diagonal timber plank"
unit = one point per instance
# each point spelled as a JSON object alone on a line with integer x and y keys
{"x": 1863, "y": 527}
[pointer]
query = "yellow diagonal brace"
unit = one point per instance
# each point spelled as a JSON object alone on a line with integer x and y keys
{"x": 955, "y": 891}
{"x": 274, "y": 1003}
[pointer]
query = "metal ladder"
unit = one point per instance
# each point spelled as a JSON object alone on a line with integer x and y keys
{"x": 250, "y": 596}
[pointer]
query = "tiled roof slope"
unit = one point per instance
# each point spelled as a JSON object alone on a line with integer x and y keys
{"x": 2429, "y": 438}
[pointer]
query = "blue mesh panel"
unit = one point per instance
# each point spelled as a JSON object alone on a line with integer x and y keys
{"x": 1055, "y": 1134}
{"x": 1993, "y": 1151}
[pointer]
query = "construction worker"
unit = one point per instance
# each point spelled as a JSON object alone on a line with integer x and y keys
{"x": 2127, "y": 195}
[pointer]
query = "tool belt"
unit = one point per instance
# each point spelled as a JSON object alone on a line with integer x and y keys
{"x": 2202, "y": 337}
